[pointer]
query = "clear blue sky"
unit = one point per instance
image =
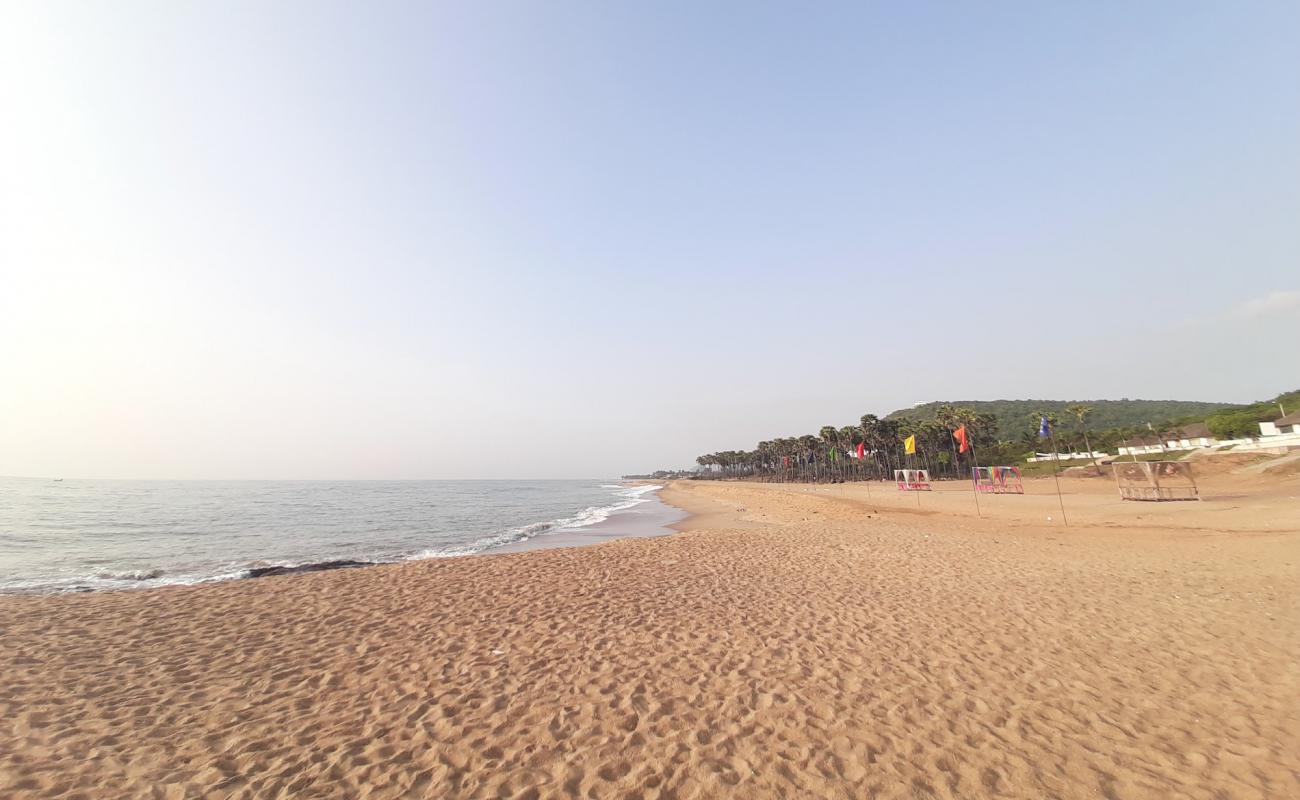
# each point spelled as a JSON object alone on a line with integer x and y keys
{"x": 556, "y": 239}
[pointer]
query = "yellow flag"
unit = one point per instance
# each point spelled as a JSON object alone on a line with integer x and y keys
{"x": 909, "y": 445}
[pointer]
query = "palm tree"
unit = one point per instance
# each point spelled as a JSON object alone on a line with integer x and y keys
{"x": 707, "y": 462}
{"x": 830, "y": 440}
{"x": 1081, "y": 413}
{"x": 889, "y": 439}
{"x": 850, "y": 436}
{"x": 906, "y": 428}
{"x": 930, "y": 439}
{"x": 871, "y": 434}
{"x": 951, "y": 418}
{"x": 789, "y": 449}
{"x": 808, "y": 447}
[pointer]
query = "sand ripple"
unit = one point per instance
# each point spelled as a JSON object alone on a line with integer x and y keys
{"x": 801, "y": 647}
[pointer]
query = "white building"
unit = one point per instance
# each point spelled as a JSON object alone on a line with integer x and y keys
{"x": 1141, "y": 446}
{"x": 1188, "y": 437}
{"x": 1286, "y": 426}
{"x": 1192, "y": 436}
{"x": 1075, "y": 456}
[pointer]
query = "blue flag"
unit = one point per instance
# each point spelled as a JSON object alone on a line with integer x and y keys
{"x": 1044, "y": 429}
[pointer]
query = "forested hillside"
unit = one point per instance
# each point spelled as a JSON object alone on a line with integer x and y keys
{"x": 1001, "y": 431}
{"x": 1016, "y": 417}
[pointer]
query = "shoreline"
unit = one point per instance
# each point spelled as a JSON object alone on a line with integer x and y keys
{"x": 635, "y": 521}
{"x": 649, "y": 519}
{"x": 795, "y": 643}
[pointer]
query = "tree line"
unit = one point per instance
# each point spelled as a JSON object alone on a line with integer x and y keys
{"x": 830, "y": 454}
{"x": 1236, "y": 423}
{"x": 1104, "y": 414}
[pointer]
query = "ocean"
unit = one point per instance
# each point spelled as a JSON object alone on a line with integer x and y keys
{"x": 82, "y": 535}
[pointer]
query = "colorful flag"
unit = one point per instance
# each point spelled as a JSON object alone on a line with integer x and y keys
{"x": 785, "y": 461}
{"x": 1044, "y": 428}
{"x": 909, "y": 445}
{"x": 862, "y": 450}
{"x": 960, "y": 436}
{"x": 835, "y": 456}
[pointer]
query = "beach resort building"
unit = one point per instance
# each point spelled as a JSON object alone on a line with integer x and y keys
{"x": 1142, "y": 445}
{"x": 1071, "y": 456}
{"x": 1190, "y": 437}
{"x": 1286, "y": 426}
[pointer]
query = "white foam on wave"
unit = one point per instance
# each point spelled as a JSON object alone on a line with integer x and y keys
{"x": 148, "y": 577}
{"x": 634, "y": 496}
{"x": 130, "y": 574}
{"x": 104, "y": 580}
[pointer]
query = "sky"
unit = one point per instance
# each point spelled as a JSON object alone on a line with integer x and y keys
{"x": 504, "y": 240}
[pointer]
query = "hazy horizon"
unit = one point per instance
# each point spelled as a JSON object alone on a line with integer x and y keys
{"x": 812, "y": 429}
{"x": 310, "y": 241}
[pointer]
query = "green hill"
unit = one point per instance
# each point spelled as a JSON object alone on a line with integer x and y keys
{"x": 1014, "y": 416}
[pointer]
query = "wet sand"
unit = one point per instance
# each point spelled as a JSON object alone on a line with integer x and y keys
{"x": 651, "y": 518}
{"x": 791, "y": 642}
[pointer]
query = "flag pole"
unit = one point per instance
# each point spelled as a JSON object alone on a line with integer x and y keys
{"x": 1056, "y": 477}
{"x": 918, "y": 491}
{"x": 909, "y": 458}
{"x": 862, "y": 462}
{"x": 917, "y": 457}
{"x": 975, "y": 489}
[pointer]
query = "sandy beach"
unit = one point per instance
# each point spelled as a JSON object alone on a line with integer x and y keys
{"x": 791, "y": 641}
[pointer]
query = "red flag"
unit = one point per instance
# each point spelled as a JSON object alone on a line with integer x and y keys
{"x": 785, "y": 461}
{"x": 862, "y": 450}
{"x": 960, "y": 436}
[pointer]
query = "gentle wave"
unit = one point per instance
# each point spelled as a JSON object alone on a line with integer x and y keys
{"x": 148, "y": 576}
{"x": 130, "y": 575}
{"x": 105, "y": 580}
{"x": 588, "y": 516}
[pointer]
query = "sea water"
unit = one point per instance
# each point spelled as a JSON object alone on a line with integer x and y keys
{"x": 78, "y": 535}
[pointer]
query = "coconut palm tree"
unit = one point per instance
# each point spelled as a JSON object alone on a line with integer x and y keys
{"x": 951, "y": 418}
{"x": 787, "y": 449}
{"x": 850, "y": 436}
{"x": 1081, "y": 414}
{"x": 829, "y": 439}
{"x": 934, "y": 436}
{"x": 887, "y": 436}
{"x": 871, "y": 433}
{"x": 808, "y": 452}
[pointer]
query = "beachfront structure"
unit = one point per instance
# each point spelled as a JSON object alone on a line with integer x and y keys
{"x": 1280, "y": 435}
{"x": 1190, "y": 437}
{"x": 1073, "y": 456}
{"x": 1288, "y": 425}
{"x": 1141, "y": 446}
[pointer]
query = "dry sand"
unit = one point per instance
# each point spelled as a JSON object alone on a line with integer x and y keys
{"x": 794, "y": 642}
